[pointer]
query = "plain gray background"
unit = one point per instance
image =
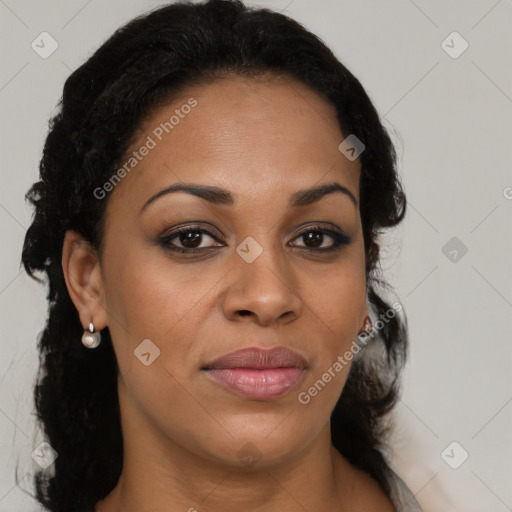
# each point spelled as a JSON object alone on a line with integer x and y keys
{"x": 450, "y": 117}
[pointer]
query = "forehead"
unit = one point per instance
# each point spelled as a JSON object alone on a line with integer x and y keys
{"x": 251, "y": 135}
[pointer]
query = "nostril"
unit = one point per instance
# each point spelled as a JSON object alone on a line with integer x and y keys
{"x": 244, "y": 312}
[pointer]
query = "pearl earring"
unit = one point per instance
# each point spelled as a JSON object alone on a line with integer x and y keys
{"x": 368, "y": 326}
{"x": 91, "y": 339}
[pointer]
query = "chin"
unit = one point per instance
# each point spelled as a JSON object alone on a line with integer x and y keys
{"x": 261, "y": 449}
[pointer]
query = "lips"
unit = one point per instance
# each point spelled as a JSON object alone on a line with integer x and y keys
{"x": 256, "y": 373}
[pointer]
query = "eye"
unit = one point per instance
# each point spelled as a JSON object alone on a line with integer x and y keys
{"x": 315, "y": 237}
{"x": 190, "y": 238}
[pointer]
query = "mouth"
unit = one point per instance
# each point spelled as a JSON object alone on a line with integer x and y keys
{"x": 257, "y": 373}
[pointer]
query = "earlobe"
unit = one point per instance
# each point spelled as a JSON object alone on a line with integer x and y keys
{"x": 82, "y": 274}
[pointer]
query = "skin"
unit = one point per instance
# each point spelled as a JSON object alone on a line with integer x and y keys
{"x": 262, "y": 139}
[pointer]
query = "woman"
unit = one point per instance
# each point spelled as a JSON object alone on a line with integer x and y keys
{"x": 212, "y": 190}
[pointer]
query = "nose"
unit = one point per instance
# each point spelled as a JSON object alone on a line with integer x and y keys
{"x": 262, "y": 291}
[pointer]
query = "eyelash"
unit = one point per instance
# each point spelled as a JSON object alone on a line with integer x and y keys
{"x": 340, "y": 239}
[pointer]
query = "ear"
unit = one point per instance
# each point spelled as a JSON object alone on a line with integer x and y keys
{"x": 82, "y": 274}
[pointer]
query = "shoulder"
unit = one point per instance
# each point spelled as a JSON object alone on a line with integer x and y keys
{"x": 369, "y": 494}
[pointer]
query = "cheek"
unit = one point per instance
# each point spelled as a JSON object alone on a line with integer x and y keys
{"x": 336, "y": 298}
{"x": 150, "y": 296}
{"x": 336, "y": 303}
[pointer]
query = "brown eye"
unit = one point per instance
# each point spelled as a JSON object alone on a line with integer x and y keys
{"x": 189, "y": 239}
{"x": 314, "y": 238}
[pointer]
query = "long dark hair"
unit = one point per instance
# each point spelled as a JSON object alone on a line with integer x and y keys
{"x": 142, "y": 65}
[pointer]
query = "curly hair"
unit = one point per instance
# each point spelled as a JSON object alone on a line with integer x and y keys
{"x": 141, "y": 66}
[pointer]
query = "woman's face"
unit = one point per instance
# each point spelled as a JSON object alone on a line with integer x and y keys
{"x": 262, "y": 273}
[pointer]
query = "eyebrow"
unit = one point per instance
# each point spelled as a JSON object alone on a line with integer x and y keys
{"x": 220, "y": 196}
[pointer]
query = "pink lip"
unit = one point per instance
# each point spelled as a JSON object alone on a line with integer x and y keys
{"x": 256, "y": 373}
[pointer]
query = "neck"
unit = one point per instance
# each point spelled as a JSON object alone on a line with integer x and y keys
{"x": 160, "y": 474}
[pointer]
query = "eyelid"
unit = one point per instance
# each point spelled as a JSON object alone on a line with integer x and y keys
{"x": 328, "y": 226}
{"x": 192, "y": 226}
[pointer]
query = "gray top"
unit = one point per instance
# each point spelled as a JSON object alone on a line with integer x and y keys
{"x": 401, "y": 496}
